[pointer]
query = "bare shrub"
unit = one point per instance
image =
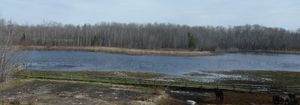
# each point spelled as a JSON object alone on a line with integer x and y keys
{"x": 10, "y": 56}
{"x": 17, "y": 101}
{"x": 33, "y": 100}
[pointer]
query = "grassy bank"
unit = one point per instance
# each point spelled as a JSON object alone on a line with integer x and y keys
{"x": 166, "y": 51}
{"x": 161, "y": 80}
{"x": 126, "y": 78}
{"x": 171, "y": 52}
{"x": 269, "y": 51}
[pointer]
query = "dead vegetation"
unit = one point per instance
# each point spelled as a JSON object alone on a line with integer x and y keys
{"x": 53, "y": 92}
{"x": 10, "y": 57}
{"x": 170, "y": 52}
{"x": 44, "y": 92}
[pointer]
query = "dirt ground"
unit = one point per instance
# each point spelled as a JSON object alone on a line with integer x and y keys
{"x": 179, "y": 96}
{"x": 207, "y": 97}
{"x": 43, "y": 92}
{"x": 51, "y": 92}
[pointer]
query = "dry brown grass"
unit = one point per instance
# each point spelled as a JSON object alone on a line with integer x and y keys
{"x": 175, "y": 52}
{"x": 47, "y": 92}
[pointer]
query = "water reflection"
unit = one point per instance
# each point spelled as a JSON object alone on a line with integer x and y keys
{"x": 79, "y": 60}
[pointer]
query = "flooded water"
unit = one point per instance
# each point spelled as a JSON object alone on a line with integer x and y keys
{"x": 98, "y": 61}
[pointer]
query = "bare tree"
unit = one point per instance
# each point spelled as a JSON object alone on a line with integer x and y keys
{"x": 155, "y": 36}
{"x": 9, "y": 56}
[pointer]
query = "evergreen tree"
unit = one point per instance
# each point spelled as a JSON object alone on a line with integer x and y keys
{"x": 192, "y": 41}
{"x": 22, "y": 39}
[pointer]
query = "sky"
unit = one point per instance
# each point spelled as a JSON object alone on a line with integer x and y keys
{"x": 272, "y": 13}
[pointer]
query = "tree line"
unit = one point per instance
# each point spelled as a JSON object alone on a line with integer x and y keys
{"x": 153, "y": 36}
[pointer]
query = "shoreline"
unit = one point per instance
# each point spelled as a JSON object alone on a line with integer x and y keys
{"x": 166, "y": 51}
{"x": 268, "y": 51}
{"x": 129, "y": 51}
{"x": 247, "y": 81}
{"x": 94, "y": 93}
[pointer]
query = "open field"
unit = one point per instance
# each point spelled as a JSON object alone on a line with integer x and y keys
{"x": 171, "y": 52}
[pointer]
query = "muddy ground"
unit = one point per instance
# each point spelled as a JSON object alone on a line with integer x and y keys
{"x": 230, "y": 98}
{"x": 44, "y": 92}
{"x": 53, "y": 92}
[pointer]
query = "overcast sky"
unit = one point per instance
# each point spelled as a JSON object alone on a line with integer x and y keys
{"x": 275, "y": 13}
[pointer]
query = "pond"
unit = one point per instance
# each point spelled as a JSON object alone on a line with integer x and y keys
{"x": 99, "y": 61}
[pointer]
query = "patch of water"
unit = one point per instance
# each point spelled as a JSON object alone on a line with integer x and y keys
{"x": 212, "y": 77}
{"x": 173, "y": 65}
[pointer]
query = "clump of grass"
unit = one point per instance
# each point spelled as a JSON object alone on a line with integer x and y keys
{"x": 32, "y": 101}
{"x": 167, "y": 100}
{"x": 12, "y": 83}
{"x": 16, "y": 101}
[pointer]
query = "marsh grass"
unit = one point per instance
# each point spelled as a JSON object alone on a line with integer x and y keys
{"x": 175, "y": 52}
